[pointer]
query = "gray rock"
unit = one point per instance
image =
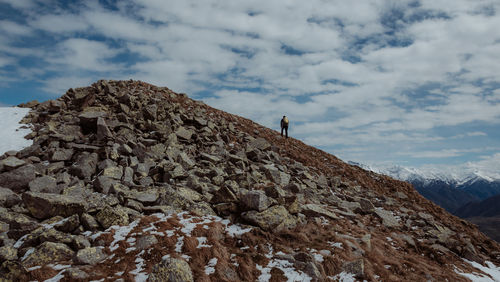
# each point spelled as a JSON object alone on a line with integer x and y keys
{"x": 91, "y": 255}
{"x": 103, "y": 131}
{"x": 110, "y": 216}
{"x": 356, "y": 267}
{"x": 85, "y": 166}
{"x": 316, "y": 210}
{"x": 8, "y": 198}
{"x": 103, "y": 184}
{"x": 172, "y": 270}
{"x": 276, "y": 176}
{"x": 18, "y": 179}
{"x": 11, "y": 162}
{"x": 185, "y": 160}
{"x": 42, "y": 205}
{"x": 49, "y": 252}
{"x": 150, "y": 111}
{"x": 365, "y": 205}
{"x": 260, "y": 144}
{"x": 255, "y": 200}
{"x": 68, "y": 224}
{"x": 44, "y": 184}
{"x": 61, "y": 155}
{"x": 145, "y": 242}
{"x": 184, "y": 134}
{"x": 275, "y": 218}
{"x": 89, "y": 222}
{"x": 75, "y": 274}
{"x": 210, "y": 158}
{"x": 8, "y": 253}
{"x": 388, "y": 219}
{"x": 114, "y": 172}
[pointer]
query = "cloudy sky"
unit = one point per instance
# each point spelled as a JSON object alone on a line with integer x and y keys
{"x": 405, "y": 82}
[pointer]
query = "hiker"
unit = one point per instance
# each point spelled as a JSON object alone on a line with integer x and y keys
{"x": 284, "y": 125}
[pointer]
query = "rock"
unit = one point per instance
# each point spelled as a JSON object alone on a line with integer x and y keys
{"x": 49, "y": 252}
{"x": 89, "y": 222}
{"x": 88, "y": 120}
{"x": 112, "y": 216}
{"x": 316, "y": 211}
{"x": 11, "y": 163}
{"x": 276, "y": 176}
{"x": 44, "y": 184}
{"x": 103, "y": 132}
{"x": 356, "y": 267}
{"x": 172, "y": 270}
{"x": 260, "y": 144}
{"x": 114, "y": 172}
{"x": 8, "y": 253}
{"x": 275, "y": 218}
{"x": 184, "y": 134}
{"x": 146, "y": 197}
{"x": 210, "y": 158}
{"x": 224, "y": 195}
{"x": 388, "y": 219}
{"x": 150, "y": 111}
{"x": 42, "y": 205}
{"x": 68, "y": 224}
{"x": 91, "y": 255}
{"x": 365, "y": 205}
{"x": 255, "y": 200}
{"x": 145, "y": 242}
{"x": 103, "y": 184}
{"x": 17, "y": 179}
{"x": 75, "y": 274}
{"x": 8, "y": 198}
{"x": 85, "y": 166}
{"x": 61, "y": 155}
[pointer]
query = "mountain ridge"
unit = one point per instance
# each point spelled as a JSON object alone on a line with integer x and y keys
{"x": 137, "y": 174}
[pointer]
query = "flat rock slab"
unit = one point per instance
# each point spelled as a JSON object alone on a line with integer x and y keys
{"x": 12, "y": 162}
{"x": 91, "y": 255}
{"x": 44, "y": 205}
{"x": 388, "y": 219}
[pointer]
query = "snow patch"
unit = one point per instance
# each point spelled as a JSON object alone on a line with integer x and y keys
{"x": 491, "y": 269}
{"x": 210, "y": 267}
{"x": 12, "y": 134}
{"x": 343, "y": 277}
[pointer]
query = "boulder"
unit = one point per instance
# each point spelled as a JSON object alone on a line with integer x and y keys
{"x": 260, "y": 144}
{"x": 44, "y": 184}
{"x": 85, "y": 166}
{"x": 11, "y": 162}
{"x": 61, "y": 155}
{"x": 388, "y": 219}
{"x": 8, "y": 198}
{"x": 145, "y": 242}
{"x": 90, "y": 255}
{"x": 172, "y": 270}
{"x": 49, "y": 252}
{"x": 43, "y": 205}
{"x": 275, "y": 218}
{"x": 114, "y": 172}
{"x": 89, "y": 222}
{"x": 356, "y": 267}
{"x": 255, "y": 200}
{"x": 314, "y": 210}
{"x": 150, "y": 111}
{"x": 110, "y": 216}
{"x": 183, "y": 133}
{"x": 8, "y": 253}
{"x": 88, "y": 120}
{"x": 18, "y": 179}
{"x": 103, "y": 131}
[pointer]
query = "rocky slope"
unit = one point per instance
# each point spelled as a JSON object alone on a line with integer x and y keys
{"x": 130, "y": 181}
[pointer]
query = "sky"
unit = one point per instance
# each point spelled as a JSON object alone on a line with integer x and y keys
{"x": 413, "y": 83}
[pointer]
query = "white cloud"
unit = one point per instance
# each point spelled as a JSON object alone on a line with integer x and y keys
{"x": 13, "y": 28}
{"x": 60, "y": 23}
{"x": 20, "y": 4}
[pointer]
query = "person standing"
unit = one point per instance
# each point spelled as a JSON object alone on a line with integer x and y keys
{"x": 284, "y": 126}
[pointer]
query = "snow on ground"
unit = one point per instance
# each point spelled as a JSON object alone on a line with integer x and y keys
{"x": 490, "y": 269}
{"x": 12, "y": 134}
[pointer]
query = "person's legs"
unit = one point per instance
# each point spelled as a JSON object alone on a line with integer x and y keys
{"x": 282, "y": 131}
{"x": 286, "y": 131}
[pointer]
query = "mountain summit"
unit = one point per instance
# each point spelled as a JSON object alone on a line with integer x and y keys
{"x": 126, "y": 180}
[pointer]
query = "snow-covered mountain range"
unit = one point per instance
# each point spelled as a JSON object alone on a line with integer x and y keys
{"x": 456, "y": 176}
